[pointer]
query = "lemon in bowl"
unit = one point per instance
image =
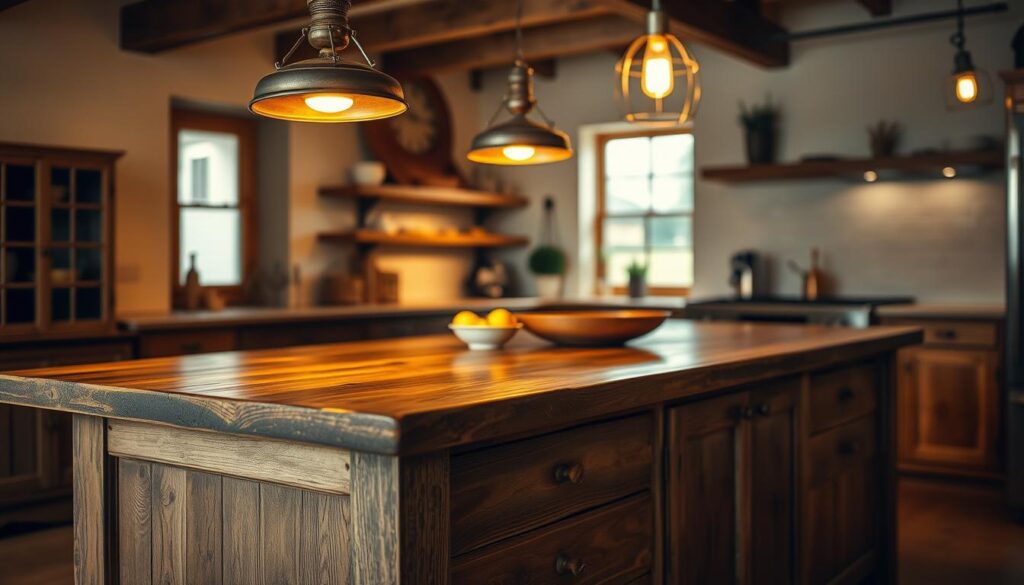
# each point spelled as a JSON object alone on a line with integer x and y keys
{"x": 485, "y": 333}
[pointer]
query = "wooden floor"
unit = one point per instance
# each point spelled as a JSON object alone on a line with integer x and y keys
{"x": 949, "y": 534}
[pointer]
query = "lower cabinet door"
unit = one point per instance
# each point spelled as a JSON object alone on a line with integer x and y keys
{"x": 23, "y": 449}
{"x": 707, "y": 477}
{"x": 949, "y": 409}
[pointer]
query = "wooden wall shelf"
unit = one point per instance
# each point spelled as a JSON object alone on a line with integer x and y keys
{"x": 426, "y": 195}
{"x": 930, "y": 164}
{"x": 440, "y": 240}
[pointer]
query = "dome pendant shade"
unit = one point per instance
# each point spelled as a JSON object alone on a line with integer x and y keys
{"x": 520, "y": 141}
{"x": 328, "y": 88}
{"x": 294, "y": 93}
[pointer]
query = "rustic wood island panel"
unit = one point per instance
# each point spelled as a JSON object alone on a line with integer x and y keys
{"x": 416, "y": 461}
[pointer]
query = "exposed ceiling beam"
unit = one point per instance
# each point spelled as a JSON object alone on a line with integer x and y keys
{"x": 877, "y": 7}
{"x": 152, "y": 26}
{"x": 539, "y": 43}
{"x": 448, "y": 20}
{"x": 723, "y": 25}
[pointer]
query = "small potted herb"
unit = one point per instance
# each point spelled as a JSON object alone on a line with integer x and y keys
{"x": 884, "y": 138}
{"x": 760, "y": 126}
{"x": 547, "y": 263}
{"x": 637, "y": 279}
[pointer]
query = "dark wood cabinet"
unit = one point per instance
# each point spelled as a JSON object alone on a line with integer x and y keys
{"x": 731, "y": 487}
{"x": 950, "y": 400}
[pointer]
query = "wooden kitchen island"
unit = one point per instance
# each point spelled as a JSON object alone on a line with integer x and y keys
{"x": 704, "y": 453}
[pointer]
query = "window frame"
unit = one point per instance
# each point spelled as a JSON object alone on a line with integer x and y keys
{"x": 246, "y": 130}
{"x": 602, "y": 141}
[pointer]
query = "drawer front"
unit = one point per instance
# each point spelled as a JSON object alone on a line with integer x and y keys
{"x": 838, "y": 396}
{"x": 845, "y": 447}
{"x": 187, "y": 342}
{"x": 510, "y": 489}
{"x": 611, "y": 546}
{"x": 956, "y": 333}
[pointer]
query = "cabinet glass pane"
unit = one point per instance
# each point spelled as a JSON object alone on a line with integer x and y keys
{"x": 87, "y": 303}
{"x": 20, "y": 224}
{"x": 89, "y": 264}
{"x": 21, "y": 182}
{"x": 60, "y": 304}
{"x": 60, "y": 184}
{"x": 214, "y": 236}
{"x": 88, "y": 186}
{"x": 60, "y": 220}
{"x": 88, "y": 225}
{"x": 21, "y": 306}
{"x": 20, "y": 265}
{"x": 60, "y": 267}
{"x": 207, "y": 168}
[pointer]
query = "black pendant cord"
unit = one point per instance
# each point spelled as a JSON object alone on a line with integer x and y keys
{"x": 958, "y": 37}
{"x": 520, "y": 56}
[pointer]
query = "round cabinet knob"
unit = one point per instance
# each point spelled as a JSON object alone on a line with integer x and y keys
{"x": 568, "y": 566}
{"x": 764, "y": 409}
{"x": 569, "y": 473}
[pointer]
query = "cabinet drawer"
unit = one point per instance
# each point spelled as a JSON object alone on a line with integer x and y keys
{"x": 956, "y": 333}
{"x": 187, "y": 342}
{"x": 610, "y": 546}
{"x": 510, "y": 489}
{"x": 844, "y": 447}
{"x": 842, "y": 395}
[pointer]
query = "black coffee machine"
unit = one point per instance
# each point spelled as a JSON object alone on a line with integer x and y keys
{"x": 746, "y": 277}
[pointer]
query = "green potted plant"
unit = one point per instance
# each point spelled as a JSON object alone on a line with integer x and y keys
{"x": 760, "y": 126}
{"x": 547, "y": 263}
{"x": 637, "y": 279}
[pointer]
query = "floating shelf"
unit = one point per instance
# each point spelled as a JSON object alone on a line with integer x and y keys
{"x": 426, "y": 195}
{"x": 440, "y": 240}
{"x": 856, "y": 167}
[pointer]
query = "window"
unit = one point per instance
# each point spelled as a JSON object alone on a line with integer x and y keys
{"x": 645, "y": 209}
{"x": 213, "y": 207}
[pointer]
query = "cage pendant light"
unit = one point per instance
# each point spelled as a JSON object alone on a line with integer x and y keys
{"x": 328, "y": 88}
{"x": 968, "y": 86}
{"x": 520, "y": 140}
{"x": 658, "y": 80}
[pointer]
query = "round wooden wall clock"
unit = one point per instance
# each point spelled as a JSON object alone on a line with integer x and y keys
{"x": 416, "y": 147}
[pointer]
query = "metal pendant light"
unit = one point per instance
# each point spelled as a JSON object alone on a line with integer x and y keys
{"x": 659, "y": 81}
{"x": 326, "y": 88}
{"x": 520, "y": 141}
{"x": 967, "y": 86}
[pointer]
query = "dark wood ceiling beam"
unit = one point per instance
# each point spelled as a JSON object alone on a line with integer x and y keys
{"x": 448, "y": 20}
{"x": 152, "y": 26}
{"x": 877, "y": 7}
{"x": 496, "y": 50}
{"x": 5, "y": 4}
{"x": 727, "y": 26}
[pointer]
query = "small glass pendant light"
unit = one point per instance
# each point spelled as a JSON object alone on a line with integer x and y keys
{"x": 658, "y": 79}
{"x": 520, "y": 141}
{"x": 326, "y": 88}
{"x": 968, "y": 86}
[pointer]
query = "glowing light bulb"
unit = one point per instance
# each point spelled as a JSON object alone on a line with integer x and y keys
{"x": 967, "y": 87}
{"x": 329, "y": 103}
{"x": 657, "y": 78}
{"x": 870, "y": 176}
{"x": 519, "y": 153}
{"x": 949, "y": 172}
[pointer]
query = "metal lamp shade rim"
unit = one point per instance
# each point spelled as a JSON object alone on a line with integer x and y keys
{"x": 552, "y": 145}
{"x": 276, "y": 93}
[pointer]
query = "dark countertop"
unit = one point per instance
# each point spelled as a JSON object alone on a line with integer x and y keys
{"x": 418, "y": 394}
{"x": 240, "y": 316}
{"x": 990, "y": 311}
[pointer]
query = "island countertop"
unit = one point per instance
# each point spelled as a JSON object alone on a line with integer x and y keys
{"x": 415, "y": 395}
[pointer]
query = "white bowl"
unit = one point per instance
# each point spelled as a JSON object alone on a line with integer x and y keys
{"x": 483, "y": 337}
{"x": 368, "y": 173}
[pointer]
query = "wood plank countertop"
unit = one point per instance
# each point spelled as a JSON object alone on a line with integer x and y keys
{"x": 236, "y": 316}
{"x": 419, "y": 394}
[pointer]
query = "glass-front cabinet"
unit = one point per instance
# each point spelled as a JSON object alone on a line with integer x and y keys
{"x": 56, "y": 240}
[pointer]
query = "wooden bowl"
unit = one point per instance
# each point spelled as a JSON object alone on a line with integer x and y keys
{"x": 592, "y": 328}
